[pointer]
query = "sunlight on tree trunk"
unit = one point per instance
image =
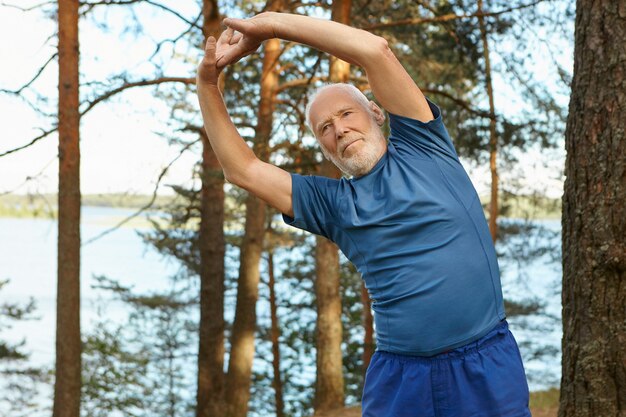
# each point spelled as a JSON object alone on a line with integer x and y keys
{"x": 239, "y": 374}
{"x": 329, "y": 386}
{"x": 68, "y": 346}
{"x": 210, "y": 390}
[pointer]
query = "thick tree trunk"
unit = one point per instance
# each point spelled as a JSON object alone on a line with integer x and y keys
{"x": 594, "y": 218}
{"x": 68, "y": 348}
{"x": 242, "y": 343}
{"x": 329, "y": 386}
{"x": 210, "y": 390}
{"x": 493, "y": 135}
{"x": 277, "y": 383}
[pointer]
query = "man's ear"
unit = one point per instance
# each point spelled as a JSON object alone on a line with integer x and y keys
{"x": 379, "y": 115}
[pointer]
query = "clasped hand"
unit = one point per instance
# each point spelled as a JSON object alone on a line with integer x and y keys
{"x": 240, "y": 39}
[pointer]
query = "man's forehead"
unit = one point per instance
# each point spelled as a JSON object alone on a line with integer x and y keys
{"x": 330, "y": 101}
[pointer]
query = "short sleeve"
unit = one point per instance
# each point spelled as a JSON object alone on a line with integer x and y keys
{"x": 314, "y": 199}
{"x": 419, "y": 138}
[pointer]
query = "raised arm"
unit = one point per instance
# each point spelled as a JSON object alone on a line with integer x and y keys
{"x": 390, "y": 83}
{"x": 241, "y": 167}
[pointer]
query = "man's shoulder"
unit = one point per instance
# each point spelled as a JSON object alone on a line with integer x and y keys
{"x": 397, "y": 119}
{"x": 319, "y": 184}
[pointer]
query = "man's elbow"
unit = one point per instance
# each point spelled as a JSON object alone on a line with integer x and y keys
{"x": 235, "y": 177}
{"x": 383, "y": 48}
{"x": 378, "y": 48}
{"x": 241, "y": 174}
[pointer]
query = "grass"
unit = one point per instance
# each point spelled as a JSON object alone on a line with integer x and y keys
{"x": 545, "y": 399}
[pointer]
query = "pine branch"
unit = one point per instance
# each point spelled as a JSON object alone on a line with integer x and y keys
{"x": 141, "y": 83}
{"x": 104, "y": 97}
{"x": 91, "y": 5}
{"x": 447, "y": 17}
{"x": 149, "y": 204}
{"x": 32, "y": 142}
{"x": 27, "y": 9}
{"x": 25, "y": 86}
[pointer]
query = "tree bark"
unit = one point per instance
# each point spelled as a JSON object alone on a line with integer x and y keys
{"x": 210, "y": 390}
{"x": 68, "y": 346}
{"x": 329, "y": 386}
{"x": 212, "y": 250}
{"x": 242, "y": 341}
{"x": 593, "y": 379}
{"x": 493, "y": 135}
{"x": 277, "y": 383}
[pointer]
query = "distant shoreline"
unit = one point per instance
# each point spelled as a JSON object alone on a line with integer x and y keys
{"x": 44, "y": 205}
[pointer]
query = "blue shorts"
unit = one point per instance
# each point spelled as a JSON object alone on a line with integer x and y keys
{"x": 484, "y": 378}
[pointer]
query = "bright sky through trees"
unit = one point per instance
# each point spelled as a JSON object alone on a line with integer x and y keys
{"x": 122, "y": 148}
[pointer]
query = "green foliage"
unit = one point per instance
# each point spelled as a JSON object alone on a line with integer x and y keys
{"x": 144, "y": 367}
{"x": 113, "y": 374}
{"x": 296, "y": 316}
{"x": 353, "y": 332}
{"x": 13, "y": 312}
{"x": 20, "y": 382}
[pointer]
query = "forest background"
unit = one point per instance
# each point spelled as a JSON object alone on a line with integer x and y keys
{"x": 500, "y": 72}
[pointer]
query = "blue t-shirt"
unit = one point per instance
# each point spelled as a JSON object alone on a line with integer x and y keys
{"x": 414, "y": 228}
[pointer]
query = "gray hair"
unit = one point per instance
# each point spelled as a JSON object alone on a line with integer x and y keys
{"x": 348, "y": 88}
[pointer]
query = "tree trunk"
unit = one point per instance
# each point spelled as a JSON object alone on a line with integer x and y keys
{"x": 493, "y": 136}
{"x": 210, "y": 390}
{"x": 593, "y": 379}
{"x": 242, "y": 342}
{"x": 277, "y": 383}
{"x": 329, "y": 386}
{"x": 68, "y": 346}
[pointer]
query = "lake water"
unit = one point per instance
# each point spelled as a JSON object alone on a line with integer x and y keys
{"x": 28, "y": 260}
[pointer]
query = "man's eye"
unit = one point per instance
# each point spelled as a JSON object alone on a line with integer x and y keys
{"x": 346, "y": 113}
{"x": 324, "y": 128}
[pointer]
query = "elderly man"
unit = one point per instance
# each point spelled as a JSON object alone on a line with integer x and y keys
{"x": 408, "y": 218}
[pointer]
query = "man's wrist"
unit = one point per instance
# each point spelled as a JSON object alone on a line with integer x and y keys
{"x": 275, "y": 22}
{"x": 207, "y": 87}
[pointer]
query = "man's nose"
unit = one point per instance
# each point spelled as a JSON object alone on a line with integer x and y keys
{"x": 340, "y": 130}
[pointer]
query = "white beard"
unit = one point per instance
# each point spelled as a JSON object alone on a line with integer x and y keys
{"x": 358, "y": 164}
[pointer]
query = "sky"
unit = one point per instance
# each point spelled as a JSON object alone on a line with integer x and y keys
{"x": 122, "y": 149}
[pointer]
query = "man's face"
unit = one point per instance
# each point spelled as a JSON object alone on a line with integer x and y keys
{"x": 349, "y": 134}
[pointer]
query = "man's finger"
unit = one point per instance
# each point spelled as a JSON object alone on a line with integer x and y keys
{"x": 210, "y": 43}
{"x": 229, "y": 57}
{"x": 237, "y": 24}
{"x": 235, "y": 38}
{"x": 226, "y": 37}
{"x": 209, "y": 49}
